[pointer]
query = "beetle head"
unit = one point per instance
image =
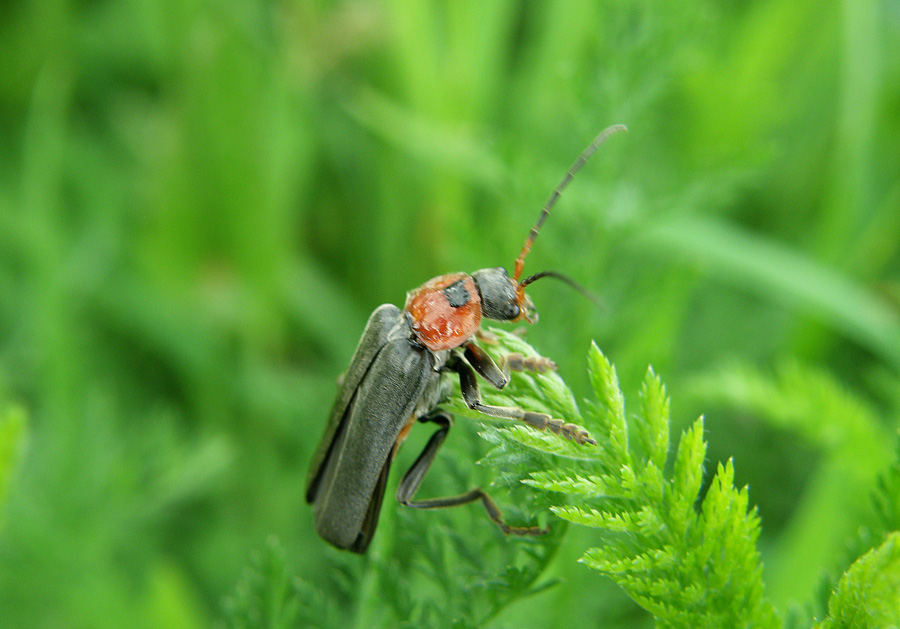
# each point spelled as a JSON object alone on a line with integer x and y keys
{"x": 502, "y": 299}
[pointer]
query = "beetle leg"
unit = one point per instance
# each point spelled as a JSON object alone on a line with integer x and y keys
{"x": 487, "y": 337}
{"x": 499, "y": 375}
{"x": 485, "y": 365}
{"x": 513, "y": 361}
{"x": 518, "y": 362}
{"x": 472, "y": 397}
{"x": 413, "y": 478}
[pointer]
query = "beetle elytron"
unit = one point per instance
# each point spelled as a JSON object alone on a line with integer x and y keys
{"x": 395, "y": 378}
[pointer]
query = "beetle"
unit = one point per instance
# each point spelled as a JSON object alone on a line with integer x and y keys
{"x": 396, "y": 377}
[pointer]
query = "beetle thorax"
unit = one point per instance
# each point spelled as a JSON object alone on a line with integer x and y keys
{"x": 445, "y": 311}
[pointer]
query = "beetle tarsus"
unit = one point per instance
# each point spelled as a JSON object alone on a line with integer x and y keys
{"x": 487, "y": 337}
{"x": 518, "y": 362}
{"x": 568, "y": 430}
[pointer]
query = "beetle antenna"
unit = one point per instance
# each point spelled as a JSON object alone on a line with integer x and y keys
{"x": 566, "y": 280}
{"x": 520, "y": 261}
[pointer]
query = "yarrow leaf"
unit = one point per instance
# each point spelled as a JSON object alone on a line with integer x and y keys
{"x": 868, "y": 594}
{"x": 689, "y": 562}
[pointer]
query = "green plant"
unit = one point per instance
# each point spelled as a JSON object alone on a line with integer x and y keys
{"x": 868, "y": 595}
{"x": 687, "y": 556}
{"x": 12, "y": 439}
{"x": 851, "y": 447}
{"x": 690, "y": 560}
{"x": 268, "y": 596}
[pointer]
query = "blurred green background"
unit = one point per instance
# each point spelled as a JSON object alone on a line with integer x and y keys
{"x": 201, "y": 203}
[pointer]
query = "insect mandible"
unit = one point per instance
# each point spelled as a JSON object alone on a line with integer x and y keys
{"x": 395, "y": 379}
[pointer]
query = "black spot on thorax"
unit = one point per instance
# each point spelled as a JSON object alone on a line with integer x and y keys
{"x": 457, "y": 294}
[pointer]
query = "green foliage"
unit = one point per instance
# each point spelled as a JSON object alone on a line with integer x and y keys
{"x": 853, "y": 445}
{"x": 12, "y": 441}
{"x": 879, "y": 525}
{"x": 691, "y": 561}
{"x": 868, "y": 595}
{"x": 886, "y": 498}
{"x": 454, "y": 567}
{"x": 201, "y": 203}
{"x": 688, "y": 557}
{"x": 687, "y": 568}
{"x": 269, "y": 596}
{"x": 806, "y": 400}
